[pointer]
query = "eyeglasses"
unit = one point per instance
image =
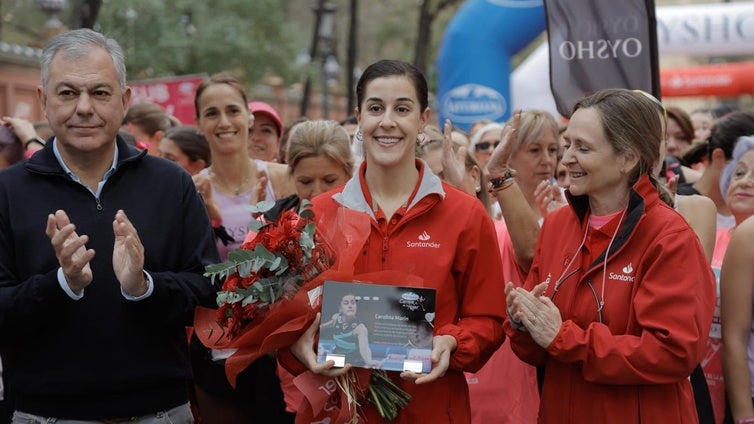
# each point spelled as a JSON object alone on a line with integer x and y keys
{"x": 483, "y": 146}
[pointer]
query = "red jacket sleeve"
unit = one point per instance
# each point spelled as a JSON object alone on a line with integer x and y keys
{"x": 671, "y": 317}
{"x": 478, "y": 328}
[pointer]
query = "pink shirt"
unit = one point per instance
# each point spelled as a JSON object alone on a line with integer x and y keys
{"x": 235, "y": 215}
{"x": 505, "y": 390}
{"x": 712, "y": 364}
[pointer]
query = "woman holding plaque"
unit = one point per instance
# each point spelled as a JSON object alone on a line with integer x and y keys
{"x": 422, "y": 227}
{"x": 618, "y": 303}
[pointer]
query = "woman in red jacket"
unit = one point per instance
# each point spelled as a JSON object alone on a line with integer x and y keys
{"x": 421, "y": 226}
{"x": 618, "y": 303}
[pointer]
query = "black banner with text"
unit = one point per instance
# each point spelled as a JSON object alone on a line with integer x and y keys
{"x": 596, "y": 44}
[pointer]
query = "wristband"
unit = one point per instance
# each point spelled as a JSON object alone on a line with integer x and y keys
{"x": 34, "y": 140}
{"x": 501, "y": 183}
{"x": 508, "y": 173}
{"x": 216, "y": 223}
{"x": 747, "y": 420}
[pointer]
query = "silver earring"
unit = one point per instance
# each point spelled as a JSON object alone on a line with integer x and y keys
{"x": 421, "y": 139}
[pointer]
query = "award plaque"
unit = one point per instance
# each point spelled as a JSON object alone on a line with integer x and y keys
{"x": 377, "y": 326}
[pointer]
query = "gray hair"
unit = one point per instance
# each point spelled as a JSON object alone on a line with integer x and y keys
{"x": 78, "y": 43}
{"x": 494, "y": 126}
{"x": 743, "y": 145}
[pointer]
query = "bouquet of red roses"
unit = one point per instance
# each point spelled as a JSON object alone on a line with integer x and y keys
{"x": 261, "y": 307}
{"x": 257, "y": 312}
{"x": 272, "y": 266}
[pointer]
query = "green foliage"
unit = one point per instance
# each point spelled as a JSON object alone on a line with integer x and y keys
{"x": 246, "y": 262}
{"x": 163, "y": 38}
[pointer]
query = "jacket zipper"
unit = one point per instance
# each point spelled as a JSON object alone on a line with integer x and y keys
{"x": 563, "y": 280}
{"x": 385, "y": 244}
{"x": 408, "y": 217}
{"x": 596, "y": 299}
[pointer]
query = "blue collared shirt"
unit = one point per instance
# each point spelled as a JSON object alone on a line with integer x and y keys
{"x": 61, "y": 276}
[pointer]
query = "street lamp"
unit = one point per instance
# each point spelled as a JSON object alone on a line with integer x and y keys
{"x": 53, "y": 9}
{"x": 324, "y": 24}
{"x": 330, "y": 71}
{"x": 330, "y": 65}
{"x": 131, "y": 15}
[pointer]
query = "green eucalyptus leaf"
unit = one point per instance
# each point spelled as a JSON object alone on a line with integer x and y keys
{"x": 222, "y": 297}
{"x": 234, "y": 297}
{"x": 275, "y": 263}
{"x": 220, "y": 269}
{"x": 306, "y": 213}
{"x": 262, "y": 252}
{"x": 261, "y": 207}
{"x": 256, "y": 225}
{"x": 306, "y": 241}
{"x": 239, "y": 256}
{"x": 249, "y": 300}
{"x": 244, "y": 269}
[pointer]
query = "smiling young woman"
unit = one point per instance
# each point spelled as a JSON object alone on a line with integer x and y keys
{"x": 402, "y": 203}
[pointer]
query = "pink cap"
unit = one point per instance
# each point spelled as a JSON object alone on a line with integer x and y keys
{"x": 264, "y": 108}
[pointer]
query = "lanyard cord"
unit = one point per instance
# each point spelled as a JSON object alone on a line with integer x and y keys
{"x": 560, "y": 279}
{"x": 604, "y": 264}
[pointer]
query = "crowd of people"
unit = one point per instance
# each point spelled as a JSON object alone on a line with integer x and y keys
{"x": 594, "y": 270}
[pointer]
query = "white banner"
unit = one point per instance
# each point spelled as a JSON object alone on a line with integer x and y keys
{"x": 722, "y": 29}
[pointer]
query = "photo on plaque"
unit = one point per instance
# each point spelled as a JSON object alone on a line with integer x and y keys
{"x": 377, "y": 326}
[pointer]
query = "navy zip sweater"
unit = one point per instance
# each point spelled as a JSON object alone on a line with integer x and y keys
{"x": 102, "y": 356}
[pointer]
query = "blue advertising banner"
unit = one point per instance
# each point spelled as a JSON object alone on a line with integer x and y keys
{"x": 474, "y": 62}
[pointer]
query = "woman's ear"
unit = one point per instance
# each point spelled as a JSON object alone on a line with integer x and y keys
{"x": 476, "y": 176}
{"x": 424, "y": 118}
{"x": 718, "y": 158}
{"x": 157, "y": 137}
{"x": 630, "y": 160}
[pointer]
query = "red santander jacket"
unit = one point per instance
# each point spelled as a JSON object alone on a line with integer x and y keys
{"x": 447, "y": 238}
{"x": 659, "y": 298}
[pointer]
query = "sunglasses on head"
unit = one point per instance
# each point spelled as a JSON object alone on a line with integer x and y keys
{"x": 483, "y": 146}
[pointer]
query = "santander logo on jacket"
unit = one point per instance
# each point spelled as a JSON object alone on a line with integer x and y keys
{"x": 626, "y": 274}
{"x": 423, "y": 241}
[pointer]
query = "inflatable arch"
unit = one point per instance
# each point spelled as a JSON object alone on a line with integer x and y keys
{"x": 475, "y": 80}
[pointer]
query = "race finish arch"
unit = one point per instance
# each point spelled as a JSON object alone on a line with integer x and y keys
{"x": 720, "y": 29}
{"x": 474, "y": 58}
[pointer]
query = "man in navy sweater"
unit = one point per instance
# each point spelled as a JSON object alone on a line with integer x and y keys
{"x": 102, "y": 251}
